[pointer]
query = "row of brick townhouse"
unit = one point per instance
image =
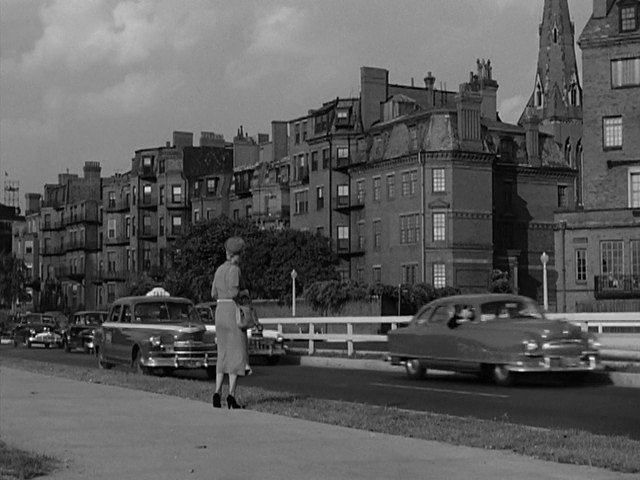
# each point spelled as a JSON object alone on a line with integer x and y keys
{"x": 598, "y": 243}
{"x": 410, "y": 183}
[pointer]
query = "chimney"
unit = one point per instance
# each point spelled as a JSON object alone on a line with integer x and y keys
{"x": 92, "y": 170}
{"x": 429, "y": 82}
{"x": 211, "y": 139}
{"x": 488, "y": 89}
{"x": 374, "y": 91}
{"x": 32, "y": 201}
{"x": 182, "y": 139}
{"x": 531, "y": 124}
{"x": 469, "y": 108}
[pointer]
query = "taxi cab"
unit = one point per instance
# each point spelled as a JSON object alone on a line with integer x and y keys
{"x": 155, "y": 334}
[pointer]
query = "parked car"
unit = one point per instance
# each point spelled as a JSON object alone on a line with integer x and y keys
{"x": 155, "y": 334}
{"x": 81, "y": 329}
{"x": 261, "y": 343}
{"x": 59, "y": 317}
{"x": 495, "y": 335}
{"x": 37, "y": 329}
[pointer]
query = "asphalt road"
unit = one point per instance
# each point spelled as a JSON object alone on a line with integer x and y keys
{"x": 597, "y": 408}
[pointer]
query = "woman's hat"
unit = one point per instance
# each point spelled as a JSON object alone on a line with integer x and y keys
{"x": 234, "y": 245}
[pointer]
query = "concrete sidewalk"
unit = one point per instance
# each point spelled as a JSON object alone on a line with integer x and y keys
{"x": 105, "y": 432}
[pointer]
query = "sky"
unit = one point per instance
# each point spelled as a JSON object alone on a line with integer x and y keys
{"x": 96, "y": 80}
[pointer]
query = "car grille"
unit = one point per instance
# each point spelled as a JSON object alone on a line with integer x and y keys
{"x": 568, "y": 347}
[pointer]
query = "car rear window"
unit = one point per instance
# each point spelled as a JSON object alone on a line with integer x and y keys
{"x": 165, "y": 312}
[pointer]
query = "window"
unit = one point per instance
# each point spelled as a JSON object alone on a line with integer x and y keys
{"x": 409, "y": 182}
{"x": 343, "y": 237}
{"x": 409, "y": 273}
{"x": 628, "y": 18}
{"x": 212, "y": 186}
{"x": 635, "y": 262}
{"x": 343, "y": 153}
{"x": 612, "y": 132}
{"x": 176, "y": 193}
{"x": 161, "y": 165}
{"x": 196, "y": 215}
{"x": 161, "y": 226}
{"x": 296, "y": 130}
{"x": 28, "y": 246}
{"x": 439, "y": 227}
{"x": 325, "y": 158}
{"x": 360, "y": 192}
{"x": 625, "y": 72}
{"x": 361, "y": 237}
{"x": 146, "y": 194}
{"x": 146, "y": 225}
{"x": 377, "y": 273}
{"x": 127, "y": 227}
{"x": 112, "y": 200}
{"x": 437, "y": 180}
{"x": 176, "y": 225}
{"x": 320, "y": 231}
{"x": 409, "y": 228}
{"x": 111, "y": 228}
{"x": 319, "y": 198}
{"x": 377, "y": 235}
{"x": 634, "y": 188}
{"x": 161, "y": 195}
{"x": 376, "y": 189}
{"x": 391, "y": 186}
{"x": 581, "y": 265}
{"x": 413, "y": 138}
{"x": 147, "y": 162}
{"x": 236, "y": 214}
{"x": 611, "y": 257}
{"x": 439, "y": 275}
{"x": 562, "y": 196}
{"x": 302, "y": 202}
{"x": 304, "y": 131}
{"x": 314, "y": 161}
{"x": 196, "y": 188}
{"x": 248, "y": 211}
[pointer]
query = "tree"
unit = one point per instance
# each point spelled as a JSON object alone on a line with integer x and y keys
{"x": 13, "y": 279}
{"x": 331, "y": 296}
{"x": 500, "y": 282}
{"x": 267, "y": 263}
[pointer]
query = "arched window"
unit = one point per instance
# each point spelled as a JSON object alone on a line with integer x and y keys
{"x": 567, "y": 152}
{"x": 538, "y": 96}
{"x": 555, "y": 34}
{"x": 580, "y": 177}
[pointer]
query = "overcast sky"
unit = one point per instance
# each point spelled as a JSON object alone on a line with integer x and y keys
{"x": 98, "y": 79}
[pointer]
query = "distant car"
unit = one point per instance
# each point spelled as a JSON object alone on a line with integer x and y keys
{"x": 261, "y": 343}
{"x": 81, "y": 329}
{"x": 37, "y": 329}
{"x": 59, "y": 317}
{"x": 496, "y": 335}
{"x": 155, "y": 334}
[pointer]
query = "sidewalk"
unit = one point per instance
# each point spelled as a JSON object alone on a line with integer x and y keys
{"x": 105, "y": 432}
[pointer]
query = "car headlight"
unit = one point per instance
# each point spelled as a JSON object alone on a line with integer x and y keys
{"x": 279, "y": 339}
{"x": 155, "y": 340}
{"x": 32, "y": 332}
{"x": 530, "y": 346}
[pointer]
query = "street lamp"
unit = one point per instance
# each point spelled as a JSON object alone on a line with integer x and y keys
{"x": 544, "y": 258}
{"x": 293, "y": 292}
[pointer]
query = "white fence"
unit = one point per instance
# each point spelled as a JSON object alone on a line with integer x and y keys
{"x": 314, "y": 329}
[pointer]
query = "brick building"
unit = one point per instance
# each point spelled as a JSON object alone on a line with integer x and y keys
{"x": 598, "y": 244}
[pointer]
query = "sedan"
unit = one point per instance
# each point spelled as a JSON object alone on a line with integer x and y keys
{"x": 81, "y": 329}
{"x": 493, "y": 335}
{"x": 37, "y": 329}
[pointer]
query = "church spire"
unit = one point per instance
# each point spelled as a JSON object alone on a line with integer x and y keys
{"x": 557, "y": 94}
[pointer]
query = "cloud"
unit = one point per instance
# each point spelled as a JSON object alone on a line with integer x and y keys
{"x": 137, "y": 93}
{"x": 511, "y": 108}
{"x": 81, "y": 34}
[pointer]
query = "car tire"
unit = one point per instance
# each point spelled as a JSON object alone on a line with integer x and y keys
{"x": 502, "y": 376}
{"x": 28, "y": 344}
{"x": 47, "y": 345}
{"x": 415, "y": 370}
{"x": 102, "y": 365}
{"x": 137, "y": 365}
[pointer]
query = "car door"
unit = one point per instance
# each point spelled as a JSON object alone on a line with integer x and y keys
{"x": 110, "y": 330}
{"x": 123, "y": 338}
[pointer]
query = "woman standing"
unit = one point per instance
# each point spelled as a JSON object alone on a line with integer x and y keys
{"x": 232, "y": 342}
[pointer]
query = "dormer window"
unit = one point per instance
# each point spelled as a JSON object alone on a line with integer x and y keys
{"x": 628, "y": 18}
{"x": 538, "y": 95}
{"x": 555, "y": 34}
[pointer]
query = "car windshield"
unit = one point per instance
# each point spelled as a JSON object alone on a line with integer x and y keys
{"x": 510, "y": 309}
{"x": 165, "y": 312}
{"x": 91, "y": 319}
{"x": 205, "y": 314}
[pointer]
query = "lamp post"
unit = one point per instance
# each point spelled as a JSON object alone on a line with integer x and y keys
{"x": 544, "y": 258}
{"x": 294, "y": 274}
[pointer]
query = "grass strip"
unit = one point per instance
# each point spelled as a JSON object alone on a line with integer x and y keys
{"x": 21, "y": 464}
{"x": 615, "y": 453}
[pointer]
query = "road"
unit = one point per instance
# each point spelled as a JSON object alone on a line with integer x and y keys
{"x": 597, "y": 408}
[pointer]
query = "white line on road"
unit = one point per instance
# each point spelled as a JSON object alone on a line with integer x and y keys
{"x": 442, "y": 390}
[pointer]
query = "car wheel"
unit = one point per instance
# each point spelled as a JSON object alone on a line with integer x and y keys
{"x": 101, "y": 363}
{"x": 47, "y": 345}
{"x": 415, "y": 369}
{"x": 502, "y": 376}
{"x": 28, "y": 344}
{"x": 138, "y": 366}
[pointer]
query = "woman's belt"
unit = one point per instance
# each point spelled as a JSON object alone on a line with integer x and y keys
{"x": 225, "y": 300}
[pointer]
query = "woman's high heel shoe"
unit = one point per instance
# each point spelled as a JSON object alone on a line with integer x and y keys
{"x": 217, "y": 403}
{"x": 231, "y": 402}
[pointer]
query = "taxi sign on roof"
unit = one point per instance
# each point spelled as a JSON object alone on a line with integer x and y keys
{"x": 158, "y": 292}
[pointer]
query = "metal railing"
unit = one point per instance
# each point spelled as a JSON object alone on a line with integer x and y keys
{"x": 312, "y": 329}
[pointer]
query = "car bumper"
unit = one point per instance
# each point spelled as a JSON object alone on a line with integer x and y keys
{"x": 44, "y": 339}
{"x": 584, "y": 363}
{"x": 266, "y": 349}
{"x": 82, "y": 342}
{"x": 188, "y": 361}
